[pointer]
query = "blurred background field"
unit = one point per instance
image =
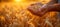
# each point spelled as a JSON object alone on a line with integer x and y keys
{"x": 15, "y": 14}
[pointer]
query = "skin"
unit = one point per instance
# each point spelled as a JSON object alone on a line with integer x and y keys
{"x": 44, "y": 9}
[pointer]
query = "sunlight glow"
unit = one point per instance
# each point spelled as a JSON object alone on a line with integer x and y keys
{"x": 17, "y": 0}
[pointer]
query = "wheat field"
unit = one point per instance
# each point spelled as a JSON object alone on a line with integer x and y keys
{"x": 17, "y": 15}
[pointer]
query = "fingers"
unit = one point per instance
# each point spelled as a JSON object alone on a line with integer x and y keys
{"x": 35, "y": 9}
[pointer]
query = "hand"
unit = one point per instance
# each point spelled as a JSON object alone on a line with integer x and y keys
{"x": 42, "y": 10}
{"x": 37, "y": 9}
